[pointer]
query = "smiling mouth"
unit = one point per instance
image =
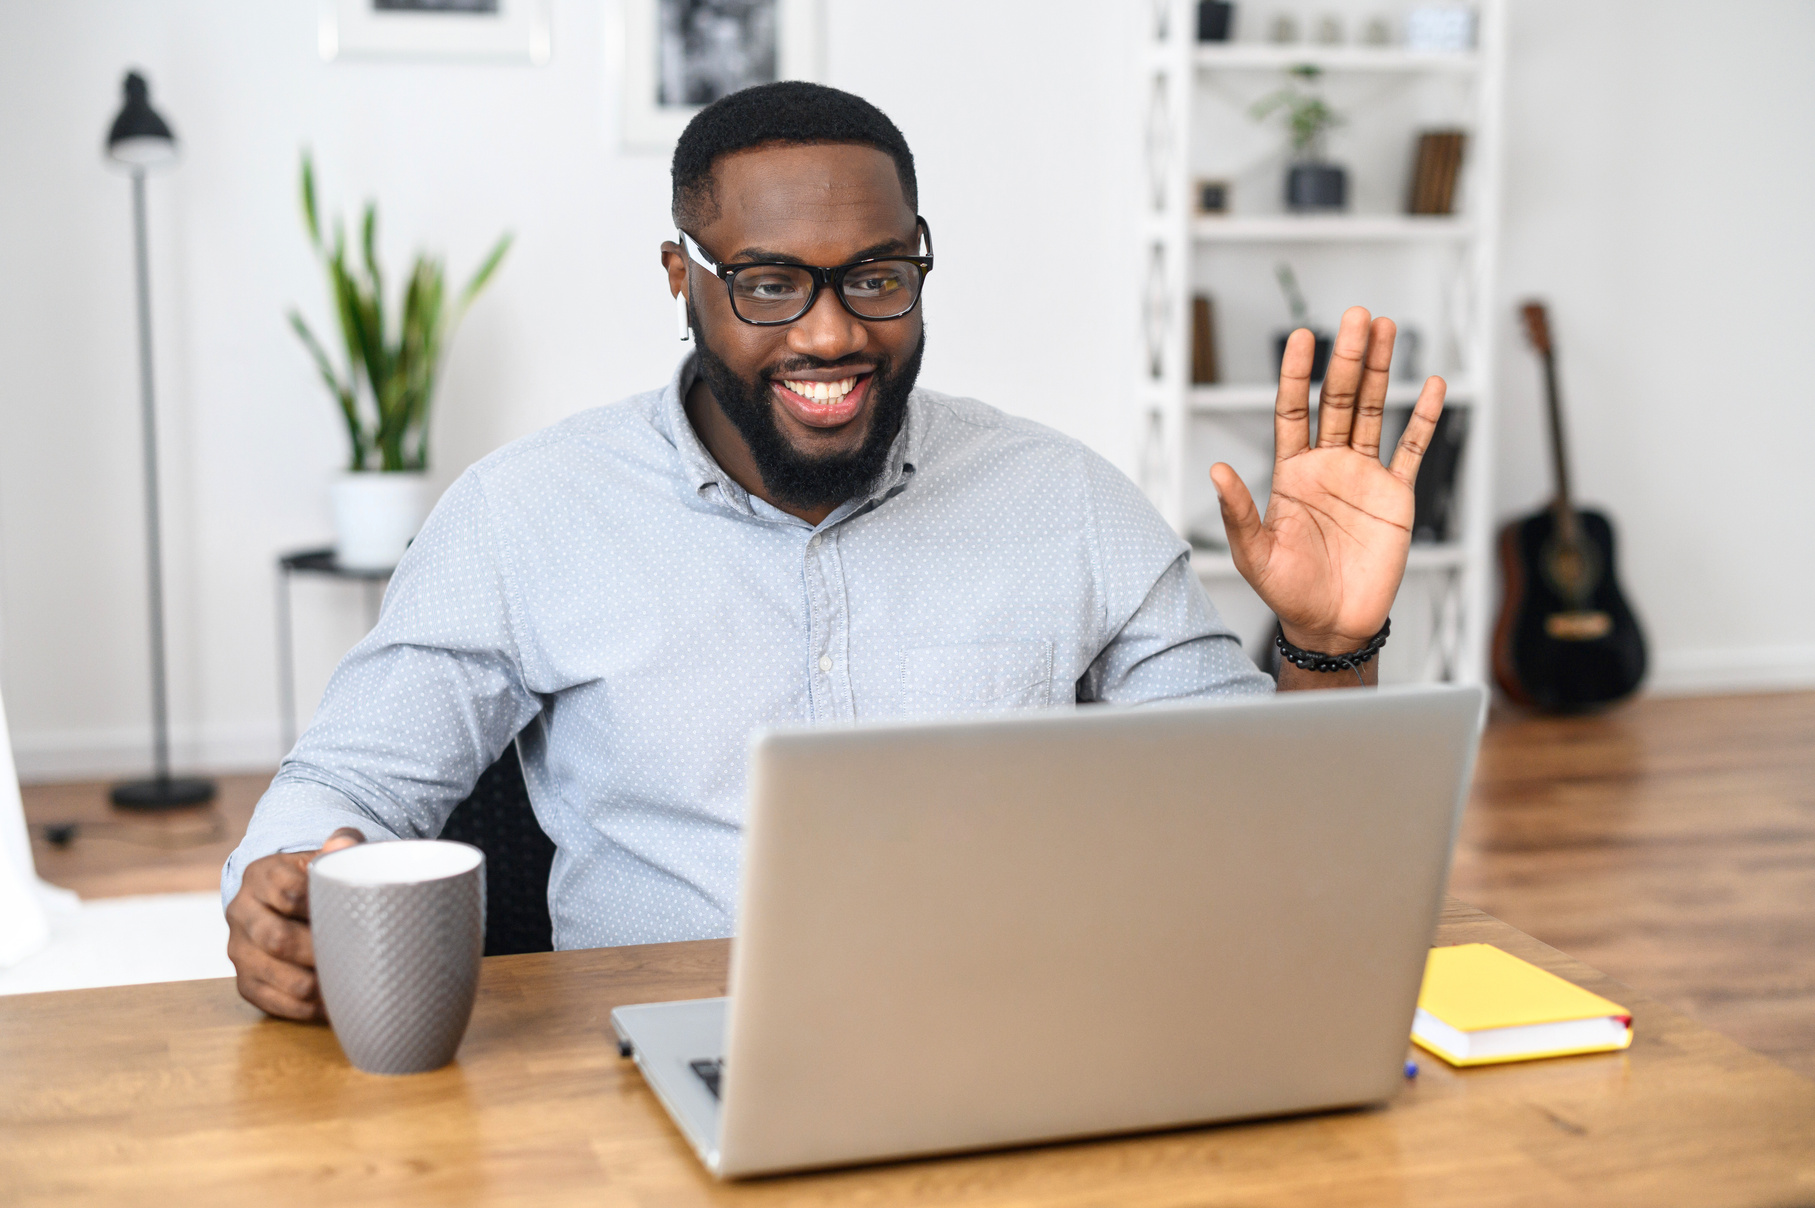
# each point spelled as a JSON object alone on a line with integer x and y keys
{"x": 826, "y": 393}
{"x": 824, "y": 404}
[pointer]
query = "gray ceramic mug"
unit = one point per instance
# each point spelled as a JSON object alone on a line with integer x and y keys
{"x": 399, "y": 928}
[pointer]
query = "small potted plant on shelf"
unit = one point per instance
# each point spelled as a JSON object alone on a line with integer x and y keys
{"x": 389, "y": 381}
{"x": 1323, "y": 342}
{"x": 1313, "y": 183}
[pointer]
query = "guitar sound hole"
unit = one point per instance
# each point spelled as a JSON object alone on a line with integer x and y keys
{"x": 1573, "y": 569}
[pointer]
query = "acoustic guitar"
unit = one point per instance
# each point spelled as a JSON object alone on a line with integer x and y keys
{"x": 1566, "y": 639}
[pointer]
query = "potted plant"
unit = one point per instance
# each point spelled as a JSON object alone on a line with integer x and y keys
{"x": 1323, "y": 342}
{"x": 387, "y": 386}
{"x": 1312, "y": 182}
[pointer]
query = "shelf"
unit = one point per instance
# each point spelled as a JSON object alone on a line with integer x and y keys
{"x": 1217, "y": 564}
{"x": 1441, "y": 267}
{"x": 1329, "y": 228}
{"x": 1257, "y": 56}
{"x": 1259, "y": 396}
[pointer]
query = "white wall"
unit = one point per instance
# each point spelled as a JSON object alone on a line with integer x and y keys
{"x": 1659, "y": 171}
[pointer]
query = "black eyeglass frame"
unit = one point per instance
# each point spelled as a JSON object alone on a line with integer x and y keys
{"x": 823, "y": 277}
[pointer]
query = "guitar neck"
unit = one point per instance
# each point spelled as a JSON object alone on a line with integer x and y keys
{"x": 1563, "y": 505}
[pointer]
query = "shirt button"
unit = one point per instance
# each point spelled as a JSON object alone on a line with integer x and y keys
{"x": 825, "y": 662}
{"x": 813, "y": 542}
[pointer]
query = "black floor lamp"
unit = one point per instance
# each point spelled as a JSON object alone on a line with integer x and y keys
{"x": 141, "y": 140}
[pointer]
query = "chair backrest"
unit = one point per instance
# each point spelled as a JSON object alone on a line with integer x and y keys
{"x": 498, "y": 820}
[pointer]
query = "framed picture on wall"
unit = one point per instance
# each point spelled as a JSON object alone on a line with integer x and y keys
{"x": 678, "y": 56}
{"x": 498, "y": 30}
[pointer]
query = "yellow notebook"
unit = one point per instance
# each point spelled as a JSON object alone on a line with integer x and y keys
{"x": 1480, "y": 1005}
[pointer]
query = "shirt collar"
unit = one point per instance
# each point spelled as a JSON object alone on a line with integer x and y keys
{"x": 702, "y": 471}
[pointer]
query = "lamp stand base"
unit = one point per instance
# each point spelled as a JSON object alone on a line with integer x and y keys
{"x": 162, "y": 793}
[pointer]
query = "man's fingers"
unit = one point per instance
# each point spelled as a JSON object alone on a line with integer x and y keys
{"x": 346, "y": 836}
{"x": 274, "y": 1001}
{"x": 261, "y": 965}
{"x": 1292, "y": 405}
{"x": 1342, "y": 380}
{"x": 1418, "y": 431}
{"x": 1376, "y": 373}
{"x": 268, "y": 937}
{"x": 271, "y": 985}
{"x": 280, "y": 882}
{"x": 286, "y": 939}
{"x": 1241, "y": 519}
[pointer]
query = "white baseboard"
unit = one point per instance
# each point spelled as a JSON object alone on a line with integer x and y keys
{"x": 253, "y": 747}
{"x": 106, "y": 752}
{"x": 1744, "y": 669}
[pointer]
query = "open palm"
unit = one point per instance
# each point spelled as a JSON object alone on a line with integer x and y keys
{"x": 1330, "y": 554}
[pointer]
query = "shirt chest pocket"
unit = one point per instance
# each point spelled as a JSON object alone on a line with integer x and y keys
{"x": 976, "y": 677}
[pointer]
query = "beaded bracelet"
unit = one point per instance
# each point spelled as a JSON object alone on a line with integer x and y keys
{"x": 1309, "y": 660}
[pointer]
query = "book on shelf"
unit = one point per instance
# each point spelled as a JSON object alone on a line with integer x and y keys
{"x": 1434, "y": 493}
{"x": 1204, "y": 370}
{"x": 1480, "y": 1005}
{"x": 1435, "y": 170}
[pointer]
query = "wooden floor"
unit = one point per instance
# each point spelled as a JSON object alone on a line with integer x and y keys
{"x": 1670, "y": 843}
{"x": 115, "y": 853}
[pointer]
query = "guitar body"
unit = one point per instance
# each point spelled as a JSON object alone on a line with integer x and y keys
{"x": 1566, "y": 639}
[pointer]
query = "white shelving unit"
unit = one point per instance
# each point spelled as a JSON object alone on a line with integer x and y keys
{"x": 1433, "y": 275}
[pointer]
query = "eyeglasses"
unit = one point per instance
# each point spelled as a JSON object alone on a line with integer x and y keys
{"x": 770, "y": 293}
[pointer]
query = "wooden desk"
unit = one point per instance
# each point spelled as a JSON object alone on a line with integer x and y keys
{"x": 180, "y": 1094}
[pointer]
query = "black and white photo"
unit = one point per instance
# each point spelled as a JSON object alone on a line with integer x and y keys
{"x": 679, "y": 55}
{"x": 710, "y": 48}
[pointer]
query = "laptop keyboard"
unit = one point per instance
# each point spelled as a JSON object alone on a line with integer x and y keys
{"x": 708, "y": 1069}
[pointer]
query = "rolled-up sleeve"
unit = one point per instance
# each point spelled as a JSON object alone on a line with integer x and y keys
{"x": 418, "y": 709}
{"x": 1174, "y": 647}
{"x": 1161, "y": 637}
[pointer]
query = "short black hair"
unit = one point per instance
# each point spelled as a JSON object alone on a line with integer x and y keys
{"x": 788, "y": 111}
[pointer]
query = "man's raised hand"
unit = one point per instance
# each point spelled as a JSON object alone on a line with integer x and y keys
{"x": 1331, "y": 552}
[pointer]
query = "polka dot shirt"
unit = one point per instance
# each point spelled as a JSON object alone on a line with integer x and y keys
{"x": 605, "y": 595}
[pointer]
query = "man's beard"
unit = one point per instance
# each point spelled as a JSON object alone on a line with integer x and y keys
{"x": 789, "y": 475}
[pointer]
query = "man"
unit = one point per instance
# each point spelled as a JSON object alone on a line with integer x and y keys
{"x": 791, "y": 532}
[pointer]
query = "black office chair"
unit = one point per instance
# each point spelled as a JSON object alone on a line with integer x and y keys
{"x": 498, "y": 820}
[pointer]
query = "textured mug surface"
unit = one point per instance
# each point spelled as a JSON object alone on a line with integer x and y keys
{"x": 399, "y": 928}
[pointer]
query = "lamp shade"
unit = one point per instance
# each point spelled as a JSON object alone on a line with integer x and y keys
{"x": 140, "y": 137}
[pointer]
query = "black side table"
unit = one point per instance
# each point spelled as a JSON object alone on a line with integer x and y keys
{"x": 312, "y": 562}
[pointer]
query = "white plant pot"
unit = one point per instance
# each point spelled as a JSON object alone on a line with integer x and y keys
{"x": 376, "y": 515}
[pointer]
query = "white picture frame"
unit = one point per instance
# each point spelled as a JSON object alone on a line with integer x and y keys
{"x": 510, "y": 31}
{"x": 647, "y": 123}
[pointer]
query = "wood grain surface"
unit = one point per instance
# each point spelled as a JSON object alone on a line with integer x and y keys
{"x": 180, "y": 1094}
{"x": 1671, "y": 843}
{"x": 114, "y": 852}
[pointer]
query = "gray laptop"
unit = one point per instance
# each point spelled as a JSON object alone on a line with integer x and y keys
{"x": 997, "y": 932}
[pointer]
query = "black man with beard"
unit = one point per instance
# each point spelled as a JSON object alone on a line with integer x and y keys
{"x": 792, "y": 531}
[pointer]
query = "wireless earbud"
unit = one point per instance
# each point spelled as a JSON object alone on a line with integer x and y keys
{"x": 680, "y": 309}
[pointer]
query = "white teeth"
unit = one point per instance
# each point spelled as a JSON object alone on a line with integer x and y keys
{"x": 822, "y": 391}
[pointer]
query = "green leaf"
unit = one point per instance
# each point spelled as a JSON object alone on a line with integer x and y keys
{"x": 343, "y": 393}
{"x": 484, "y": 272}
{"x": 310, "y": 220}
{"x": 347, "y": 307}
{"x": 375, "y": 279}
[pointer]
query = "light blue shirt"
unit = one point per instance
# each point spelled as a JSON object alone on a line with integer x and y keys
{"x": 603, "y": 592}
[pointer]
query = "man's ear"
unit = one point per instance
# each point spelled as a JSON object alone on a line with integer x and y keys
{"x": 674, "y": 260}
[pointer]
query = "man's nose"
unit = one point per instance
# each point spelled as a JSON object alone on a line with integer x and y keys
{"x": 827, "y": 331}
